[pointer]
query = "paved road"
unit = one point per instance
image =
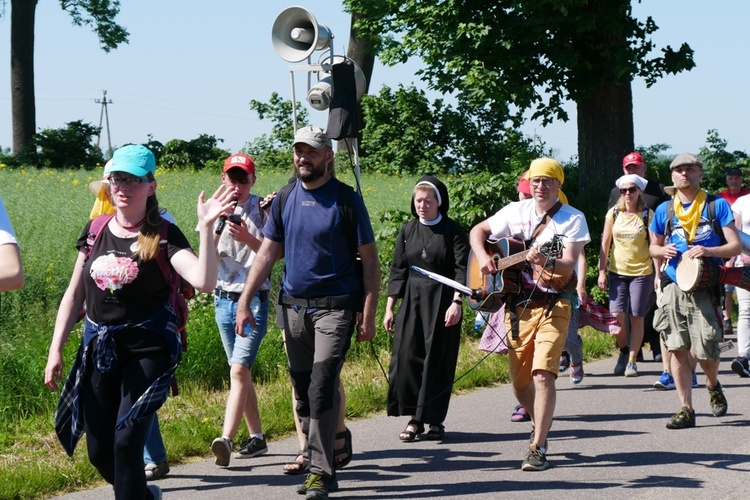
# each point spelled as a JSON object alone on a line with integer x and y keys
{"x": 608, "y": 439}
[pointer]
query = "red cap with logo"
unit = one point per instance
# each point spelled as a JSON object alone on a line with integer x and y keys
{"x": 632, "y": 159}
{"x": 240, "y": 160}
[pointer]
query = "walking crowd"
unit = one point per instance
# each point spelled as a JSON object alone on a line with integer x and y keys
{"x": 663, "y": 249}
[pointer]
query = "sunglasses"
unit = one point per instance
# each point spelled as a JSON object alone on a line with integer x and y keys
{"x": 631, "y": 190}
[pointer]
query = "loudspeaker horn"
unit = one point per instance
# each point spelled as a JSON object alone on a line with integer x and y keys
{"x": 296, "y": 34}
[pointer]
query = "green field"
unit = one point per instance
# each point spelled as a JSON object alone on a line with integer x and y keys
{"x": 48, "y": 209}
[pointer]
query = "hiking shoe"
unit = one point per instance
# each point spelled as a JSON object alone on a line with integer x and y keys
{"x": 253, "y": 447}
{"x": 222, "y": 448}
{"x": 155, "y": 491}
{"x": 622, "y": 362}
{"x": 631, "y": 370}
{"x": 535, "y": 460}
{"x": 740, "y": 367}
{"x": 564, "y": 361}
{"x": 317, "y": 486}
{"x": 682, "y": 419}
{"x": 695, "y": 380}
{"x": 156, "y": 471}
{"x": 665, "y": 382}
{"x": 717, "y": 400}
{"x": 727, "y": 326}
{"x": 576, "y": 374}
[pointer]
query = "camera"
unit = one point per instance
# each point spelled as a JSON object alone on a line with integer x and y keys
{"x": 235, "y": 219}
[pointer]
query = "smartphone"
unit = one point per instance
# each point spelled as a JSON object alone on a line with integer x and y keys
{"x": 235, "y": 219}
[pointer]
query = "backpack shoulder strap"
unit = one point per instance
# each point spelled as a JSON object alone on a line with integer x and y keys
{"x": 95, "y": 231}
{"x": 282, "y": 196}
{"x": 670, "y": 216}
{"x": 346, "y": 205}
{"x": 711, "y": 199}
{"x": 162, "y": 257}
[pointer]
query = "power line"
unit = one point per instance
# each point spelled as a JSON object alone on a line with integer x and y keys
{"x": 103, "y": 113}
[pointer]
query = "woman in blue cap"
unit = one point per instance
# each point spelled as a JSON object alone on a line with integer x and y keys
{"x": 130, "y": 346}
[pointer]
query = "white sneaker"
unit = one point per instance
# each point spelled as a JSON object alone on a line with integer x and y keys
{"x": 631, "y": 370}
{"x": 222, "y": 448}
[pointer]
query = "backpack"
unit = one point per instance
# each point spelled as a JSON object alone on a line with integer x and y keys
{"x": 711, "y": 200}
{"x": 180, "y": 289}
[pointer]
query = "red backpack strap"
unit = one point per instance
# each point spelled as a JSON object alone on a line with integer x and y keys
{"x": 95, "y": 231}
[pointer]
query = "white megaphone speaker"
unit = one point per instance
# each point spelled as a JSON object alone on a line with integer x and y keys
{"x": 319, "y": 96}
{"x": 296, "y": 34}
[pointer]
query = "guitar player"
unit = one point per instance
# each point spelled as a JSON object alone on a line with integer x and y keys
{"x": 537, "y": 317}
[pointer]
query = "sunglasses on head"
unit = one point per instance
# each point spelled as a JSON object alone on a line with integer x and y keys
{"x": 630, "y": 190}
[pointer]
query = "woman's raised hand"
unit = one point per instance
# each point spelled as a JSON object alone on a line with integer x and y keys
{"x": 210, "y": 209}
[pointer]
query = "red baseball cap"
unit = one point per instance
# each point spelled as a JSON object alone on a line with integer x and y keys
{"x": 240, "y": 160}
{"x": 632, "y": 159}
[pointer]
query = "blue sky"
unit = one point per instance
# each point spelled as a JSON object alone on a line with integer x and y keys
{"x": 189, "y": 70}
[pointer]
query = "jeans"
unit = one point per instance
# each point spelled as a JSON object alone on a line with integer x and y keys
{"x": 154, "y": 451}
{"x": 241, "y": 350}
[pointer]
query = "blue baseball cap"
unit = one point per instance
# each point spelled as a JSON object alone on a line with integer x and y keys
{"x": 134, "y": 159}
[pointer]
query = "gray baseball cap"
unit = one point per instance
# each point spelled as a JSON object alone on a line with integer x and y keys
{"x": 312, "y": 136}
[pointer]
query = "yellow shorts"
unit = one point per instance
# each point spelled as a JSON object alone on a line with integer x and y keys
{"x": 540, "y": 342}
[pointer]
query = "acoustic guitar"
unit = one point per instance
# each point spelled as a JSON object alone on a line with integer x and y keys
{"x": 509, "y": 255}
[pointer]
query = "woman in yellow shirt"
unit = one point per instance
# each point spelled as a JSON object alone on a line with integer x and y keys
{"x": 628, "y": 268}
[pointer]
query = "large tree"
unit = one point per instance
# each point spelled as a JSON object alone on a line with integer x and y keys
{"x": 98, "y": 14}
{"x": 529, "y": 56}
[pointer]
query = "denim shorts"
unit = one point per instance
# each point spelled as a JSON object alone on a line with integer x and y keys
{"x": 241, "y": 350}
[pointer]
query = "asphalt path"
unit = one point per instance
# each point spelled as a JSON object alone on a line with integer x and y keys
{"x": 608, "y": 439}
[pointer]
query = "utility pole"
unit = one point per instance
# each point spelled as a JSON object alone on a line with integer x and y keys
{"x": 103, "y": 113}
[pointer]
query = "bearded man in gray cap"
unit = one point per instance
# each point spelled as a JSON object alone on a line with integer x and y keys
{"x": 685, "y": 228}
{"x": 320, "y": 226}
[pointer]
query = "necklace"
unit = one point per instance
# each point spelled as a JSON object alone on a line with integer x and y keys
{"x": 424, "y": 245}
{"x": 130, "y": 228}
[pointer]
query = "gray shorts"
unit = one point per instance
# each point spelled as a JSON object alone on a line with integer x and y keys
{"x": 634, "y": 289}
{"x": 687, "y": 320}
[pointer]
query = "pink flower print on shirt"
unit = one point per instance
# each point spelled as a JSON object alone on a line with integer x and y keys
{"x": 112, "y": 273}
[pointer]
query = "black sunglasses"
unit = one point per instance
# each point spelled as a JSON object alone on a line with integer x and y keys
{"x": 630, "y": 190}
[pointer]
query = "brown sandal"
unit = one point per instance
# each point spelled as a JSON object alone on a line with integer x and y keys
{"x": 297, "y": 466}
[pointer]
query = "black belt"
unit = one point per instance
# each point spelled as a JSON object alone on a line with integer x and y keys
{"x": 235, "y": 296}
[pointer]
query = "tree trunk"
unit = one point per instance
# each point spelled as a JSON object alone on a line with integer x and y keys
{"x": 22, "y": 72}
{"x": 605, "y": 135}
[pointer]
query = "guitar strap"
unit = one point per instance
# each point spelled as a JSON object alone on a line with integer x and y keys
{"x": 514, "y": 300}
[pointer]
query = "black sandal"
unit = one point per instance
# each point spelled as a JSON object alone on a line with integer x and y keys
{"x": 408, "y": 435}
{"x": 436, "y": 432}
{"x": 346, "y": 435}
{"x": 300, "y": 467}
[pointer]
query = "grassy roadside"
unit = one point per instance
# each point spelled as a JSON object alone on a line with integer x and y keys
{"x": 36, "y": 467}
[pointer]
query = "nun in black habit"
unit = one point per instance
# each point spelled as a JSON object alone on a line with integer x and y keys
{"x": 427, "y": 326}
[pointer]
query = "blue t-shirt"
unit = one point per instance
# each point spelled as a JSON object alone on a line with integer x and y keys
{"x": 705, "y": 235}
{"x": 317, "y": 251}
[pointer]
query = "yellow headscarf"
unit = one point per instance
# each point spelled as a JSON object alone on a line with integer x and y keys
{"x": 690, "y": 218}
{"x": 547, "y": 167}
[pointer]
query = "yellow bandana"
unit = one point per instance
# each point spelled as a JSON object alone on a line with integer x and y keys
{"x": 101, "y": 205}
{"x": 547, "y": 167}
{"x": 689, "y": 218}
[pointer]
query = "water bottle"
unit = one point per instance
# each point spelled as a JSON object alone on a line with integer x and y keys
{"x": 479, "y": 321}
